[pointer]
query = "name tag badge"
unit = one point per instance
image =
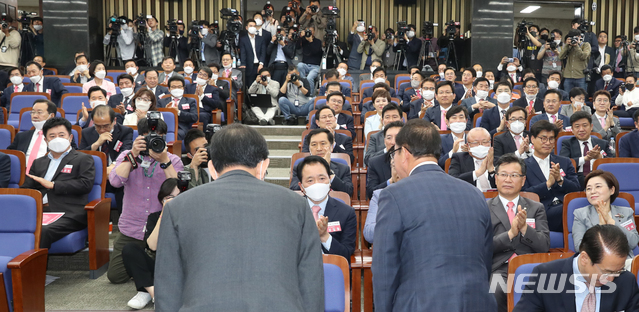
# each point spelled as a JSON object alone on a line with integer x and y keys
{"x": 297, "y": 103}
{"x": 208, "y": 95}
{"x": 554, "y": 65}
{"x": 530, "y": 222}
{"x": 118, "y": 145}
{"x": 562, "y": 173}
{"x": 334, "y": 227}
{"x": 568, "y": 129}
{"x": 145, "y": 164}
{"x": 186, "y": 106}
{"x": 159, "y": 96}
{"x": 603, "y": 153}
{"x": 49, "y": 91}
{"x": 629, "y": 225}
{"x": 129, "y": 107}
{"x": 67, "y": 169}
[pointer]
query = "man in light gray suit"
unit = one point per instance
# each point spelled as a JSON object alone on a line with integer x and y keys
{"x": 225, "y": 248}
{"x": 209, "y": 45}
{"x": 519, "y": 224}
{"x": 433, "y": 237}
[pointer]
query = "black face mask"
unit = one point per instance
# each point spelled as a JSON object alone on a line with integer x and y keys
{"x": 181, "y": 32}
{"x": 629, "y": 87}
{"x": 533, "y": 33}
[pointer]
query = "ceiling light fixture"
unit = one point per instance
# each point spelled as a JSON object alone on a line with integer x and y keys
{"x": 530, "y": 9}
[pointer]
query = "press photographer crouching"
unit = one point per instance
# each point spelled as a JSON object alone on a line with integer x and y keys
{"x": 196, "y": 143}
{"x": 140, "y": 171}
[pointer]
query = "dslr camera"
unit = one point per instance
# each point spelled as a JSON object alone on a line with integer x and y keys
{"x": 184, "y": 177}
{"x": 575, "y": 39}
{"x": 3, "y": 21}
{"x": 308, "y": 33}
{"x": 154, "y": 141}
{"x": 295, "y": 35}
{"x": 370, "y": 35}
{"x": 278, "y": 36}
{"x": 314, "y": 9}
{"x": 402, "y": 29}
{"x": 210, "y": 130}
{"x": 294, "y": 77}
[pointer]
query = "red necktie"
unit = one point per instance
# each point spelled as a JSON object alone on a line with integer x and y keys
{"x": 532, "y": 103}
{"x": 175, "y": 102}
{"x": 590, "y": 303}
{"x": 586, "y": 166}
{"x": 606, "y": 86}
{"x": 554, "y": 118}
{"x": 34, "y": 150}
{"x": 15, "y": 89}
{"x": 511, "y": 216}
{"x": 37, "y": 89}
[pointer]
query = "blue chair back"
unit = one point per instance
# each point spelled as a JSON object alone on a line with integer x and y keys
{"x": 626, "y": 174}
{"x": 117, "y": 90}
{"x": 341, "y": 161}
{"x": 135, "y": 134}
{"x": 75, "y": 137}
{"x": 114, "y": 75}
{"x": 400, "y": 80}
{"x": 478, "y": 122}
{"x": 26, "y": 79}
{"x": 520, "y": 283}
{"x": 72, "y": 104}
{"x": 5, "y": 138}
{"x": 96, "y": 191}
{"x": 367, "y": 85}
{"x": 169, "y": 118}
{"x": 19, "y": 102}
{"x": 626, "y": 122}
{"x": 25, "y": 123}
{"x": 64, "y": 79}
{"x": 74, "y": 89}
{"x": 333, "y": 288}
{"x": 16, "y": 171}
{"x": 319, "y": 103}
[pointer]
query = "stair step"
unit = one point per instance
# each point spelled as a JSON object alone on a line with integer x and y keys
{"x": 279, "y": 176}
{"x": 282, "y": 142}
{"x": 280, "y": 130}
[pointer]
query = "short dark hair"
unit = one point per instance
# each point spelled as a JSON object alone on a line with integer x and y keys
{"x": 333, "y": 83}
{"x": 394, "y": 124}
{"x": 191, "y": 135}
{"x": 480, "y": 79}
{"x": 264, "y": 69}
{"x": 575, "y": 21}
{"x": 543, "y": 125}
{"x": 381, "y": 94}
{"x": 635, "y": 116}
{"x": 390, "y": 107}
{"x": 418, "y": 73}
{"x": 606, "y": 67}
{"x": 510, "y": 158}
{"x": 331, "y": 73}
{"x": 79, "y": 57}
{"x": 102, "y": 110}
{"x": 600, "y": 237}
{"x": 579, "y": 116}
{"x": 610, "y": 179}
{"x": 557, "y": 31}
{"x": 125, "y": 76}
{"x": 502, "y": 83}
{"x": 513, "y": 109}
{"x": 291, "y": 68}
{"x": 601, "y": 92}
{"x": 555, "y": 72}
{"x": 51, "y": 107}
{"x": 54, "y": 122}
{"x": 527, "y": 71}
{"x": 336, "y": 93}
{"x": 176, "y": 78}
{"x": 311, "y": 160}
{"x": 531, "y": 79}
{"x": 471, "y": 70}
{"x": 216, "y": 65}
{"x": 319, "y": 110}
{"x": 631, "y": 75}
{"x": 167, "y": 188}
{"x": 379, "y": 69}
{"x": 151, "y": 70}
{"x": 381, "y": 85}
{"x": 208, "y": 71}
{"x": 488, "y": 71}
{"x": 420, "y": 138}
{"x": 166, "y": 58}
{"x": 143, "y": 127}
{"x": 553, "y": 91}
{"x": 16, "y": 68}
{"x": 29, "y": 63}
{"x": 95, "y": 89}
{"x": 444, "y": 84}
{"x": 130, "y": 60}
{"x": 455, "y": 110}
{"x": 95, "y": 64}
{"x": 577, "y": 91}
{"x": 237, "y": 144}
{"x": 317, "y": 131}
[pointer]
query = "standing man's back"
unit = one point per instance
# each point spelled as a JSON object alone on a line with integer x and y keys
{"x": 238, "y": 243}
{"x": 433, "y": 237}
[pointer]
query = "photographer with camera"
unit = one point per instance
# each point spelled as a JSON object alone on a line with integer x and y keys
{"x": 513, "y": 69}
{"x": 388, "y": 58}
{"x": 153, "y": 42}
{"x": 405, "y": 39}
{"x": 357, "y": 35}
{"x": 549, "y": 54}
{"x": 530, "y": 46}
{"x": 370, "y": 48}
{"x": 581, "y": 25}
{"x": 628, "y": 98}
{"x": 282, "y": 51}
{"x": 263, "y": 84}
{"x": 10, "y": 43}
{"x": 295, "y": 98}
{"x": 576, "y": 56}
{"x": 293, "y": 9}
{"x": 141, "y": 171}
{"x": 37, "y": 38}
{"x": 314, "y": 18}
{"x": 180, "y": 51}
{"x": 631, "y": 55}
{"x": 270, "y": 23}
{"x": 127, "y": 37}
{"x": 619, "y": 56}
{"x": 196, "y": 144}
{"x": 209, "y": 52}
{"x": 312, "y": 56}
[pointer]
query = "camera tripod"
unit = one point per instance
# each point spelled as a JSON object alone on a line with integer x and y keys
{"x": 331, "y": 49}
{"x": 26, "y": 48}
{"x": 112, "y": 56}
{"x": 142, "y": 43}
{"x": 451, "y": 47}
{"x": 173, "y": 47}
{"x": 424, "y": 53}
{"x": 401, "y": 54}
{"x": 194, "y": 51}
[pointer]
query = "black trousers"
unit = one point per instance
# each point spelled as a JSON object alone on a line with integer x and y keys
{"x": 279, "y": 71}
{"x": 625, "y": 113}
{"x": 59, "y": 229}
{"x": 139, "y": 265}
{"x": 119, "y": 197}
{"x": 555, "y": 216}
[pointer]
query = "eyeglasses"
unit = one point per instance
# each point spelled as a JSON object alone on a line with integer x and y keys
{"x": 546, "y": 139}
{"x": 513, "y": 176}
{"x": 602, "y": 101}
{"x": 551, "y": 101}
{"x": 395, "y": 149}
{"x": 39, "y": 112}
{"x": 531, "y": 87}
{"x": 517, "y": 119}
{"x": 107, "y": 126}
{"x": 326, "y": 117}
{"x": 429, "y": 89}
{"x": 475, "y": 143}
{"x": 611, "y": 274}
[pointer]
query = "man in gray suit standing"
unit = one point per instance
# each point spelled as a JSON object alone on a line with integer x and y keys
{"x": 433, "y": 237}
{"x": 519, "y": 224}
{"x": 225, "y": 248}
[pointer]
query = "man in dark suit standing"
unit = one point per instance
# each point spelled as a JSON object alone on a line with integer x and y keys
{"x": 519, "y": 224}
{"x": 65, "y": 178}
{"x": 343, "y": 143}
{"x": 336, "y": 221}
{"x": 321, "y": 141}
{"x": 552, "y": 103}
{"x": 418, "y": 219}
{"x": 516, "y": 139}
{"x": 583, "y": 148}
{"x": 208, "y": 94}
{"x": 548, "y": 175}
{"x": 285, "y": 238}
{"x": 252, "y": 51}
{"x": 379, "y": 168}
{"x": 185, "y": 108}
{"x": 608, "y": 83}
{"x": 600, "y": 262}
{"x": 475, "y": 166}
{"x": 39, "y": 83}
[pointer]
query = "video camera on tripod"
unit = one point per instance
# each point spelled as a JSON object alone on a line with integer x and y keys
{"x": 172, "y": 27}
{"x": 140, "y": 22}
{"x": 402, "y": 30}
{"x": 330, "y": 36}
{"x": 428, "y": 29}
{"x": 25, "y": 19}
{"x": 522, "y": 30}
{"x": 584, "y": 25}
{"x": 451, "y": 29}
{"x": 233, "y": 27}
{"x": 116, "y": 24}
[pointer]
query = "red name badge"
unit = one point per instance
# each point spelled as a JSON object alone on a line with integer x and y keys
{"x": 629, "y": 225}
{"x": 49, "y": 91}
{"x": 186, "y": 106}
{"x": 530, "y": 222}
{"x": 67, "y": 169}
{"x": 129, "y": 107}
{"x": 208, "y": 95}
{"x": 562, "y": 173}
{"x": 334, "y": 227}
{"x": 118, "y": 145}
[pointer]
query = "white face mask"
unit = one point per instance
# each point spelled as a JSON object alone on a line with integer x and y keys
{"x": 579, "y": 105}
{"x": 252, "y": 30}
{"x": 479, "y": 73}
{"x": 503, "y": 97}
{"x": 607, "y": 78}
{"x": 258, "y": 22}
{"x": 517, "y": 127}
{"x": 35, "y": 79}
{"x": 636, "y": 37}
{"x": 480, "y": 152}
{"x": 142, "y": 105}
{"x": 458, "y": 127}
{"x": 39, "y": 27}
{"x": 59, "y": 145}
{"x": 100, "y": 74}
{"x": 95, "y": 104}
{"x": 214, "y": 77}
{"x": 188, "y": 70}
{"x": 410, "y": 34}
{"x": 557, "y": 42}
{"x": 360, "y": 29}
{"x": 177, "y": 93}
{"x": 82, "y": 68}
{"x": 380, "y": 80}
{"x": 428, "y": 94}
{"x": 415, "y": 84}
{"x": 531, "y": 97}
{"x": 125, "y": 27}
{"x": 126, "y": 91}
{"x": 16, "y": 80}
{"x": 317, "y": 191}
{"x": 38, "y": 124}
{"x": 131, "y": 71}
{"x": 482, "y": 94}
{"x": 200, "y": 81}
{"x": 554, "y": 84}
{"x": 511, "y": 68}
{"x": 204, "y": 31}
{"x": 227, "y": 66}
{"x": 341, "y": 71}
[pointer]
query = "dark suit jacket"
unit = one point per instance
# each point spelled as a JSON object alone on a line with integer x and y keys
{"x": 459, "y": 92}
{"x": 22, "y": 140}
{"x": 344, "y": 121}
{"x": 418, "y": 240}
{"x": 522, "y": 102}
{"x": 188, "y": 112}
{"x": 536, "y": 240}
{"x": 343, "y": 243}
{"x": 182, "y": 49}
{"x": 505, "y": 143}
{"x": 246, "y": 51}
{"x": 343, "y": 144}
{"x": 406, "y": 98}
{"x": 223, "y": 89}
{"x": 5, "y": 170}
{"x": 462, "y": 166}
{"x": 536, "y": 181}
{"x": 288, "y": 50}
{"x": 448, "y": 141}
{"x": 543, "y": 116}
{"x": 624, "y": 298}
{"x": 571, "y": 148}
{"x": 379, "y": 171}
{"x": 434, "y": 115}
{"x": 116, "y": 99}
{"x": 414, "y": 108}
{"x": 121, "y": 134}
{"x": 54, "y": 85}
{"x": 159, "y": 90}
{"x": 375, "y": 146}
{"x": 5, "y": 99}
{"x": 613, "y": 88}
{"x": 345, "y": 90}
{"x": 629, "y": 145}
{"x": 369, "y": 93}
{"x": 469, "y": 102}
{"x": 490, "y": 120}
{"x": 70, "y": 192}
{"x": 211, "y": 99}
{"x": 342, "y": 181}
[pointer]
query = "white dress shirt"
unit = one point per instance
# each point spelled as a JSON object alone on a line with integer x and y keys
{"x": 602, "y": 52}
{"x": 20, "y": 88}
{"x": 252, "y": 40}
{"x": 428, "y": 162}
{"x": 582, "y": 159}
{"x": 628, "y": 97}
{"x": 322, "y": 205}
{"x": 550, "y": 117}
{"x": 450, "y": 154}
{"x": 581, "y": 288}
{"x": 544, "y": 164}
{"x": 53, "y": 166}
{"x": 43, "y": 145}
{"x": 521, "y": 140}
{"x": 482, "y": 182}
